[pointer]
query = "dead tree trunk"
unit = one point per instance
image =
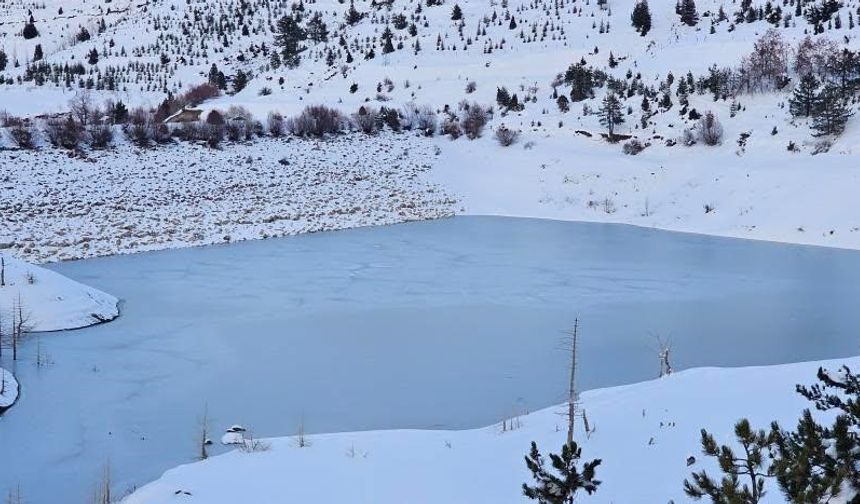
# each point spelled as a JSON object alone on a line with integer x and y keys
{"x": 571, "y": 391}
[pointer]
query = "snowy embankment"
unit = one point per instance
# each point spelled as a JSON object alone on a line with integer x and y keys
{"x": 132, "y": 200}
{"x": 762, "y": 192}
{"x": 644, "y": 433}
{"x": 49, "y": 301}
{"x": 8, "y": 389}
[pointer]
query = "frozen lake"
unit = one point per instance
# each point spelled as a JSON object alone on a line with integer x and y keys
{"x": 445, "y": 324}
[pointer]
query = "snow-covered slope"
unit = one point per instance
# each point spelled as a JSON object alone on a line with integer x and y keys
{"x": 643, "y": 433}
{"x": 8, "y": 389}
{"x": 49, "y": 301}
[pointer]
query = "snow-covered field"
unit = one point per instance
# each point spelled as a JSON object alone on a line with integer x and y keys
{"x": 132, "y": 200}
{"x": 643, "y": 433}
{"x": 8, "y": 389}
{"x": 49, "y": 301}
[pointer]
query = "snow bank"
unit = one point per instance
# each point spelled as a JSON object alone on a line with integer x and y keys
{"x": 644, "y": 433}
{"x": 8, "y": 389}
{"x": 50, "y": 301}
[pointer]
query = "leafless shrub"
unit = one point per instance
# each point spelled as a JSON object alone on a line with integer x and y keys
{"x": 506, "y": 136}
{"x": 275, "y": 124}
{"x": 213, "y": 134}
{"x": 421, "y": 118}
{"x": 317, "y": 121}
{"x": 22, "y": 134}
{"x": 474, "y": 120}
{"x": 251, "y": 445}
{"x": 471, "y": 87}
{"x": 235, "y": 130}
{"x": 200, "y": 93}
{"x": 64, "y": 132}
{"x": 100, "y": 135}
{"x": 366, "y": 120}
{"x": 83, "y": 109}
{"x": 451, "y": 127}
{"x": 632, "y": 147}
{"x": 710, "y": 130}
{"x": 139, "y": 127}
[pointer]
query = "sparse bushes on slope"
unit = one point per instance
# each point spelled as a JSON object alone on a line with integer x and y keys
{"x": 710, "y": 131}
{"x": 317, "y": 121}
{"x": 506, "y": 136}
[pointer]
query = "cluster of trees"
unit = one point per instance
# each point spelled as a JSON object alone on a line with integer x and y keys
{"x": 813, "y": 463}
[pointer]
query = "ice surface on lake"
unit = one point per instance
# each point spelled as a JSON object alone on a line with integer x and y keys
{"x": 454, "y": 323}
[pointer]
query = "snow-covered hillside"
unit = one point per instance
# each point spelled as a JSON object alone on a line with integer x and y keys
{"x": 48, "y": 301}
{"x": 643, "y": 433}
{"x": 132, "y": 200}
{"x": 761, "y": 180}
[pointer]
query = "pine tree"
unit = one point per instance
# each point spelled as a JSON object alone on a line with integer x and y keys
{"x": 30, "y": 31}
{"x": 804, "y": 98}
{"x": 456, "y": 13}
{"x": 641, "y": 17}
{"x": 317, "y": 30}
{"x": 610, "y": 114}
{"x": 352, "y": 15}
{"x": 289, "y": 36}
{"x": 4, "y": 60}
{"x": 387, "y": 46}
{"x": 240, "y": 80}
{"x": 833, "y": 112}
{"x": 687, "y": 11}
{"x": 37, "y": 53}
{"x": 559, "y": 484}
{"x": 93, "y": 57}
{"x": 563, "y": 104}
{"x": 744, "y": 474}
{"x": 581, "y": 80}
{"x": 503, "y": 97}
{"x": 804, "y": 467}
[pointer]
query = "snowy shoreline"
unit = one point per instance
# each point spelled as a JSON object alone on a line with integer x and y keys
{"x": 9, "y": 390}
{"x": 652, "y": 425}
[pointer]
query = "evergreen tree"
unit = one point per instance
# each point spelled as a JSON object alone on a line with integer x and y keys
{"x": 289, "y": 36}
{"x": 581, "y": 80}
{"x": 317, "y": 29}
{"x": 503, "y": 97}
{"x": 352, "y": 15}
{"x": 686, "y": 9}
{"x": 119, "y": 113}
{"x": 387, "y": 46}
{"x": 4, "y": 60}
{"x": 30, "y": 31}
{"x": 610, "y": 113}
{"x": 833, "y": 112}
{"x": 456, "y": 13}
{"x": 37, "y": 53}
{"x": 804, "y": 98}
{"x": 240, "y": 80}
{"x": 744, "y": 474}
{"x": 804, "y": 467}
{"x": 93, "y": 56}
{"x": 563, "y": 104}
{"x": 559, "y": 484}
{"x": 641, "y": 17}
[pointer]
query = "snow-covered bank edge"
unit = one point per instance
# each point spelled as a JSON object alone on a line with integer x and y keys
{"x": 644, "y": 433}
{"x": 9, "y": 389}
{"x": 49, "y": 301}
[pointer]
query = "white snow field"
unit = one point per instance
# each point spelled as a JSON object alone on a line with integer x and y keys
{"x": 8, "y": 389}
{"x": 643, "y": 433}
{"x": 49, "y": 301}
{"x": 57, "y": 208}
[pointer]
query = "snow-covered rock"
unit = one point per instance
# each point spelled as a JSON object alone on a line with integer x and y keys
{"x": 8, "y": 389}
{"x": 49, "y": 301}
